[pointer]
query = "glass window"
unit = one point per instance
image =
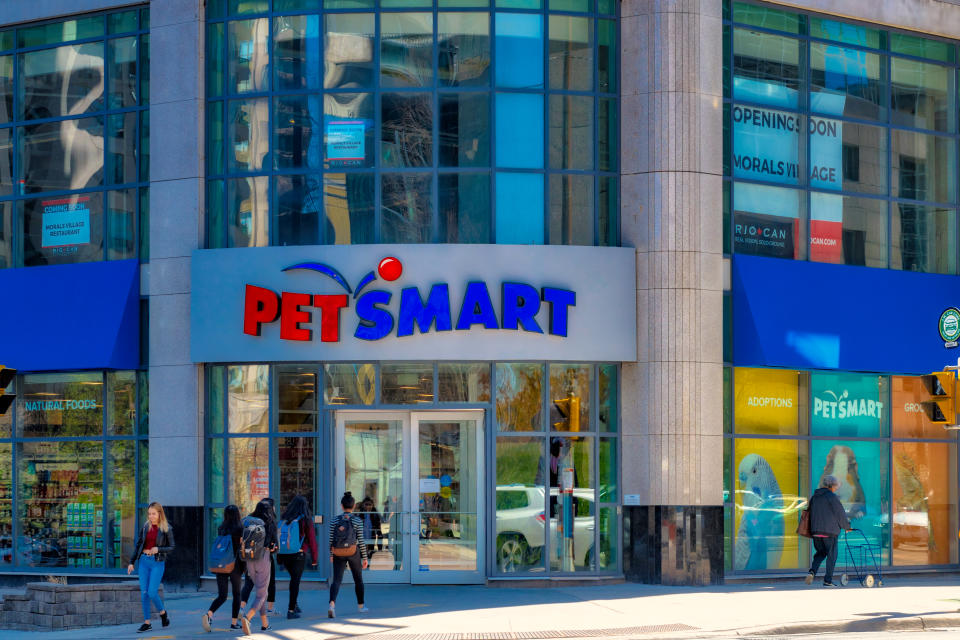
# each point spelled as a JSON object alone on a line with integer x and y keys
{"x": 846, "y": 82}
{"x": 767, "y": 17}
{"x": 848, "y": 405}
{"x": 922, "y": 166}
{"x": 571, "y": 133}
{"x": 519, "y": 200}
{"x": 922, "y": 47}
{"x": 248, "y": 399}
{"x": 463, "y": 200}
{"x": 297, "y": 398}
{"x": 349, "y": 208}
{"x": 463, "y": 382}
{"x": 924, "y": 490}
{"x": 349, "y": 383}
{"x": 520, "y": 491}
{"x": 121, "y": 403}
{"x": 122, "y": 22}
{"x": 766, "y": 145}
{"x": 863, "y": 469}
{"x": 572, "y": 497}
{"x": 6, "y": 89}
{"x": 120, "y": 521}
{"x": 463, "y": 49}
{"x": 348, "y": 129}
{"x": 60, "y": 404}
{"x": 519, "y": 397}
{"x": 921, "y": 94}
{"x": 608, "y": 470}
{"x": 519, "y": 130}
{"x": 6, "y": 503}
{"x": 767, "y": 401}
{"x": 519, "y": 50}
{"x": 66, "y": 81}
{"x": 215, "y": 475}
{"x": 609, "y": 400}
{"x": 248, "y": 201}
{"x": 607, "y": 56}
{"x": 249, "y": 472}
{"x": 766, "y": 68}
{"x": 122, "y": 148}
{"x": 406, "y": 49}
{"x": 60, "y": 496}
{"x": 846, "y": 230}
{"x": 608, "y": 135}
{"x": 296, "y": 42}
{"x": 464, "y": 129}
{"x": 770, "y": 493}
{"x": 846, "y": 32}
{"x": 6, "y": 418}
{"x": 296, "y": 465}
{"x": 65, "y": 31}
{"x": 406, "y": 129}
{"x": 215, "y": 65}
{"x": 6, "y": 234}
{"x": 608, "y": 229}
{"x": 767, "y": 221}
{"x": 571, "y": 53}
{"x": 907, "y": 416}
{"x": 298, "y": 141}
{"x": 406, "y": 383}
{"x": 123, "y": 73}
{"x": 78, "y": 142}
{"x": 571, "y": 206}
{"x": 848, "y": 156}
{"x": 299, "y": 205}
{"x": 923, "y": 238}
{"x": 6, "y": 161}
{"x": 248, "y": 133}
{"x": 248, "y": 56}
{"x": 407, "y": 208}
{"x": 348, "y": 50}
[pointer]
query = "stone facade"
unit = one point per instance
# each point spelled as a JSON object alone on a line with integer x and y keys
{"x": 49, "y": 605}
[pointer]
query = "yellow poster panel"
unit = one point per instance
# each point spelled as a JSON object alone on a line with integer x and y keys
{"x": 924, "y": 524}
{"x": 768, "y": 501}
{"x": 766, "y": 401}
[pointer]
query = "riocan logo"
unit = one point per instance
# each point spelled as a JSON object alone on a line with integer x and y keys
{"x": 378, "y": 316}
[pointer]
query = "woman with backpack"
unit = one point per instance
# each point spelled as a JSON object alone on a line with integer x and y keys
{"x": 232, "y": 529}
{"x": 154, "y": 544}
{"x": 296, "y": 536}
{"x": 346, "y": 547}
{"x": 258, "y": 539}
{"x": 268, "y": 510}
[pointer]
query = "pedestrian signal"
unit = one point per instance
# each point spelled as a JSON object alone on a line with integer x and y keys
{"x": 6, "y": 377}
{"x": 939, "y": 407}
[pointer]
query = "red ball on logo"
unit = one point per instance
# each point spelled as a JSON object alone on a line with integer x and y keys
{"x": 390, "y": 269}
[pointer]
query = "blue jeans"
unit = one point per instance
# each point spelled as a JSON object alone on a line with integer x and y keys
{"x": 150, "y": 573}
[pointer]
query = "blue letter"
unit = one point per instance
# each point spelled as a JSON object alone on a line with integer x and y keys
{"x": 476, "y": 308}
{"x": 375, "y": 323}
{"x": 559, "y": 300}
{"x": 412, "y": 309}
{"x": 520, "y": 303}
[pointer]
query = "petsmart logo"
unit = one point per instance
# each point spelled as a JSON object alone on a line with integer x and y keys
{"x": 377, "y": 316}
{"x": 842, "y": 406}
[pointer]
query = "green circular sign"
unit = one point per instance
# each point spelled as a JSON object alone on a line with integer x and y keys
{"x": 950, "y": 325}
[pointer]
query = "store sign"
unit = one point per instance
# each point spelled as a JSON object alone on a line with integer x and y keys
{"x": 60, "y": 405}
{"x": 346, "y": 142}
{"x": 766, "y": 400}
{"x": 66, "y": 222}
{"x": 414, "y": 302}
{"x": 846, "y": 405}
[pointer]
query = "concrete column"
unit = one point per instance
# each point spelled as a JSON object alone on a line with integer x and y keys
{"x": 176, "y": 197}
{"x": 671, "y": 193}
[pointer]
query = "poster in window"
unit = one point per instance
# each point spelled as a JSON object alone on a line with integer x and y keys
{"x": 765, "y": 235}
{"x": 847, "y": 405}
{"x": 924, "y": 481}
{"x": 346, "y": 143}
{"x": 766, "y": 401}
{"x": 66, "y": 222}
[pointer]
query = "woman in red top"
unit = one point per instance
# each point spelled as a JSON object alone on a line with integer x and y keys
{"x": 154, "y": 543}
{"x": 298, "y": 511}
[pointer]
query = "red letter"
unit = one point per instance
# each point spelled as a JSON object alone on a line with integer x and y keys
{"x": 260, "y": 305}
{"x": 291, "y": 316}
{"x": 330, "y": 316}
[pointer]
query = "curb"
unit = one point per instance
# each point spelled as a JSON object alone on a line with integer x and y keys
{"x": 905, "y": 623}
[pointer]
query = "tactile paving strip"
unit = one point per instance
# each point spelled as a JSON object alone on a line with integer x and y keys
{"x": 534, "y": 635}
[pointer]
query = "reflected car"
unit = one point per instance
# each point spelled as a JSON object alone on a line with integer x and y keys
{"x": 38, "y": 552}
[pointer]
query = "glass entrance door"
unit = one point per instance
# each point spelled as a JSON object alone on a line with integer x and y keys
{"x": 417, "y": 479}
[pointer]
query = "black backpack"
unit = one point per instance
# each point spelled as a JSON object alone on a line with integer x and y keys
{"x": 252, "y": 539}
{"x": 344, "y": 542}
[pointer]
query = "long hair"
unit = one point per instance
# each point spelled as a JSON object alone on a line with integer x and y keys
{"x": 162, "y": 523}
{"x": 231, "y": 518}
{"x": 298, "y": 508}
{"x": 264, "y": 511}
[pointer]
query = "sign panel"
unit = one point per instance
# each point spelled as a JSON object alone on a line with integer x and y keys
{"x": 414, "y": 302}
{"x": 66, "y": 221}
{"x": 345, "y": 142}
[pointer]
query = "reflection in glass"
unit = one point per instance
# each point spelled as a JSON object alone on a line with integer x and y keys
{"x": 248, "y": 393}
{"x": 609, "y": 399}
{"x": 373, "y": 468}
{"x": 406, "y": 49}
{"x": 572, "y": 503}
{"x": 571, "y": 53}
{"x": 121, "y": 403}
{"x": 299, "y": 203}
{"x": 463, "y": 41}
{"x": 80, "y": 240}
{"x": 569, "y": 399}
{"x": 299, "y": 132}
{"x": 248, "y": 56}
{"x": 406, "y": 383}
{"x": 248, "y": 134}
{"x": 6, "y": 419}
{"x": 608, "y": 470}
{"x": 215, "y": 66}
{"x": 607, "y": 56}
{"x": 63, "y": 31}
{"x": 464, "y": 129}
{"x": 248, "y": 201}
{"x": 920, "y": 94}
{"x": 349, "y": 51}
{"x": 119, "y": 525}
{"x": 519, "y": 50}
{"x": 845, "y": 230}
{"x": 60, "y": 498}
{"x": 406, "y": 130}
{"x": 923, "y": 238}
{"x": 79, "y": 145}
{"x": 519, "y": 132}
{"x": 766, "y": 145}
{"x": 123, "y": 73}
{"x": 352, "y": 383}
{"x": 121, "y": 225}
{"x": 519, "y": 396}
{"x": 407, "y": 208}
{"x": 6, "y": 502}
{"x": 6, "y": 89}
{"x": 122, "y": 148}
{"x": 6, "y": 160}
{"x": 768, "y": 221}
{"x": 349, "y": 208}
{"x": 519, "y": 503}
{"x": 349, "y": 130}
{"x": 607, "y": 135}
{"x": 571, "y": 209}
{"x": 215, "y": 464}
{"x": 296, "y": 400}
{"x": 924, "y": 488}
{"x": 463, "y": 382}
{"x": 464, "y": 203}
{"x": 296, "y": 42}
{"x": 249, "y": 472}
{"x": 907, "y": 417}
{"x": 606, "y": 558}
{"x": 519, "y": 199}
{"x": 66, "y": 81}
{"x": 766, "y": 68}
{"x": 607, "y": 215}
{"x": 923, "y": 166}
{"x": 846, "y": 82}
{"x": 60, "y": 404}
{"x": 296, "y": 464}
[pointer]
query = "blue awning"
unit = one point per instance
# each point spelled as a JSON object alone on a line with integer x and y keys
{"x": 77, "y": 316}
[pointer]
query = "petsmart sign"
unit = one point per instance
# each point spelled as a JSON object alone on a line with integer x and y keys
{"x": 415, "y": 302}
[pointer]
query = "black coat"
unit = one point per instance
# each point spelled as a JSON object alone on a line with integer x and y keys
{"x": 165, "y": 543}
{"x": 827, "y": 516}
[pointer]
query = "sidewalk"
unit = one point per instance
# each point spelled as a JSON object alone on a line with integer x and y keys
{"x": 623, "y": 610}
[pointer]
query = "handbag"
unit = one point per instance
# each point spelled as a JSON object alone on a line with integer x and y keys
{"x": 803, "y": 527}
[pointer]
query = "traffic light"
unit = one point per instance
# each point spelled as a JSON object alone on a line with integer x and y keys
{"x": 6, "y": 377}
{"x": 940, "y": 408}
{"x": 569, "y": 409}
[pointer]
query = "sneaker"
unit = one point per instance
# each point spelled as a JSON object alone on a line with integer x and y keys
{"x": 362, "y": 608}
{"x": 830, "y": 584}
{"x": 808, "y": 579}
{"x": 145, "y": 627}
{"x": 235, "y": 625}
{"x": 246, "y": 625}
{"x": 330, "y": 613}
{"x": 291, "y": 615}
{"x": 298, "y": 609}
{"x": 266, "y": 628}
{"x": 164, "y": 619}
{"x": 205, "y": 622}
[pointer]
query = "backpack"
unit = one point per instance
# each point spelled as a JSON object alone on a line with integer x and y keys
{"x": 222, "y": 556}
{"x": 290, "y": 539}
{"x": 344, "y": 542}
{"x": 253, "y": 538}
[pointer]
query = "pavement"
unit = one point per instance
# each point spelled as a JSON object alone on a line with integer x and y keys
{"x": 625, "y": 611}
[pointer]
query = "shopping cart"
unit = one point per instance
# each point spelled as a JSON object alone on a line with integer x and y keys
{"x": 861, "y": 558}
